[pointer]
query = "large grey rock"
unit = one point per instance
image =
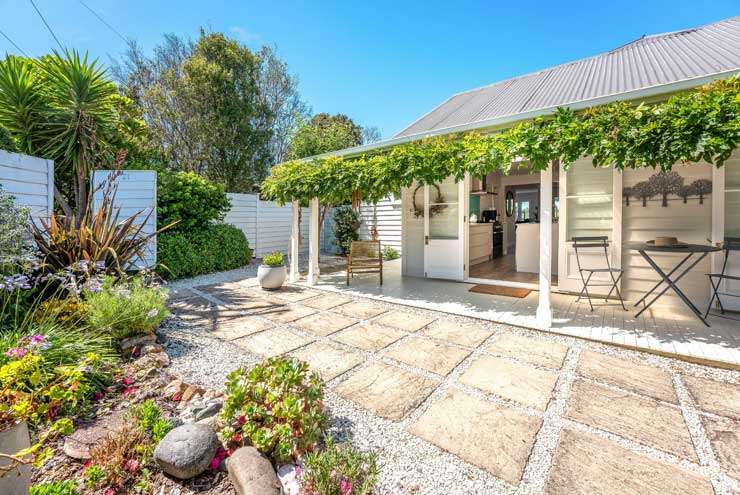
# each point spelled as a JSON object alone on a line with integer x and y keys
{"x": 187, "y": 451}
{"x": 251, "y": 473}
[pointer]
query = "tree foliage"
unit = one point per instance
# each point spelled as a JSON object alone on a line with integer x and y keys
{"x": 215, "y": 107}
{"x": 325, "y": 133}
{"x": 702, "y": 124}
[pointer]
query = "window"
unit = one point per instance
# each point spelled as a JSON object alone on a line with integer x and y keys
{"x": 523, "y": 209}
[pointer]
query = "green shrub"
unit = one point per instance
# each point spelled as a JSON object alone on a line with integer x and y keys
{"x": 14, "y": 220}
{"x": 150, "y": 419}
{"x": 126, "y": 307}
{"x": 191, "y": 200}
{"x": 274, "y": 259}
{"x": 390, "y": 253}
{"x": 6, "y": 140}
{"x": 67, "y": 487}
{"x": 186, "y": 254}
{"x": 277, "y": 407}
{"x": 339, "y": 470}
{"x": 346, "y": 227}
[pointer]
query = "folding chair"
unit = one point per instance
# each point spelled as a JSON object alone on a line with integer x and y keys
{"x": 730, "y": 244}
{"x": 596, "y": 242}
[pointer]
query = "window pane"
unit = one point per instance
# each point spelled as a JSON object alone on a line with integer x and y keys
{"x": 732, "y": 196}
{"x": 444, "y": 223}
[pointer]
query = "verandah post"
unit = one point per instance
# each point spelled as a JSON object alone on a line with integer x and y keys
{"x": 313, "y": 242}
{"x": 295, "y": 242}
{"x": 544, "y": 310}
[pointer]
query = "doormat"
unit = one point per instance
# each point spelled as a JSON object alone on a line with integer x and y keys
{"x": 499, "y": 290}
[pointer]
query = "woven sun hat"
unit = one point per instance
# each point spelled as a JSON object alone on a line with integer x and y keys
{"x": 666, "y": 241}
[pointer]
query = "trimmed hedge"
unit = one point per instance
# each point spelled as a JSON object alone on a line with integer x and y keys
{"x": 216, "y": 248}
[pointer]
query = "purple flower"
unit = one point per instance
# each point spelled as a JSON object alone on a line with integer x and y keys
{"x": 100, "y": 266}
{"x": 16, "y": 352}
{"x": 93, "y": 285}
{"x": 15, "y": 282}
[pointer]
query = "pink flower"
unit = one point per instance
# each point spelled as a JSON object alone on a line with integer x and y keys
{"x": 129, "y": 390}
{"x": 109, "y": 491}
{"x": 221, "y": 454}
{"x": 131, "y": 465}
{"x": 333, "y": 473}
{"x": 16, "y": 352}
{"x": 128, "y": 380}
{"x": 345, "y": 487}
{"x": 98, "y": 396}
{"x": 36, "y": 339}
{"x": 242, "y": 419}
{"x": 298, "y": 470}
{"x": 365, "y": 467}
{"x": 237, "y": 438}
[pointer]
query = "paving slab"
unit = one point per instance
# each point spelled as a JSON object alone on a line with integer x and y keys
{"x": 586, "y": 464}
{"x": 361, "y": 309}
{"x": 427, "y": 355}
{"x": 408, "y": 322}
{"x": 188, "y": 306}
{"x": 535, "y": 351}
{"x": 639, "y": 378}
{"x": 715, "y": 397}
{"x": 293, "y": 293}
{"x": 641, "y": 419}
{"x": 724, "y": 435}
{"x": 272, "y": 342}
{"x": 464, "y": 334}
{"x": 518, "y": 382}
{"x": 324, "y": 323}
{"x": 368, "y": 336}
{"x": 326, "y": 301}
{"x": 326, "y": 360}
{"x": 490, "y": 436}
{"x": 387, "y": 391}
{"x": 242, "y": 326}
{"x": 286, "y": 314}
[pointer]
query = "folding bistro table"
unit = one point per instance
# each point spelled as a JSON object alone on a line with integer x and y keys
{"x": 700, "y": 250}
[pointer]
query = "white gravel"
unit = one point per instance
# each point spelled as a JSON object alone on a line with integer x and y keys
{"x": 412, "y": 465}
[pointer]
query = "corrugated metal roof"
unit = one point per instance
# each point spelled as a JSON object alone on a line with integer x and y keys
{"x": 647, "y": 62}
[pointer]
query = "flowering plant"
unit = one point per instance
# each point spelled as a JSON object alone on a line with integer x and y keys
{"x": 277, "y": 407}
{"x": 339, "y": 470}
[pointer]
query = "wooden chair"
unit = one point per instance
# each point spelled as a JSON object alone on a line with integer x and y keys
{"x": 365, "y": 257}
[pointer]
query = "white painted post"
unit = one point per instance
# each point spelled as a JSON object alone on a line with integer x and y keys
{"x": 295, "y": 243}
{"x": 313, "y": 242}
{"x": 544, "y": 311}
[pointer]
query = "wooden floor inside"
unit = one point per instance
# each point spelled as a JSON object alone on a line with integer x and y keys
{"x": 504, "y": 268}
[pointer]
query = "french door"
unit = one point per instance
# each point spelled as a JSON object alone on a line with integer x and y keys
{"x": 726, "y": 223}
{"x": 444, "y": 219}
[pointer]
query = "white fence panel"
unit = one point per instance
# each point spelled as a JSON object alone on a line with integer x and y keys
{"x": 243, "y": 215}
{"x": 30, "y": 180}
{"x": 136, "y": 195}
{"x": 274, "y": 228}
{"x": 386, "y": 217}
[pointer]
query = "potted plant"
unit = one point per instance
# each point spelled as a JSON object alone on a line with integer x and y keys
{"x": 15, "y": 477}
{"x": 271, "y": 273}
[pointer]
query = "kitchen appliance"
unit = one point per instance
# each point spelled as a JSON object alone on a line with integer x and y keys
{"x": 498, "y": 239}
{"x": 488, "y": 216}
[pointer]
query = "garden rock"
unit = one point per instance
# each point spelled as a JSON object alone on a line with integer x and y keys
{"x": 187, "y": 451}
{"x": 175, "y": 388}
{"x": 130, "y": 344}
{"x": 251, "y": 473}
{"x": 78, "y": 444}
{"x": 288, "y": 479}
{"x": 211, "y": 409}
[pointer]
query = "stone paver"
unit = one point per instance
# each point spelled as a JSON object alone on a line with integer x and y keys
{"x": 387, "y": 391}
{"x": 272, "y": 342}
{"x": 294, "y": 294}
{"x": 640, "y": 378}
{"x": 287, "y": 313}
{"x": 361, "y": 309}
{"x": 641, "y": 419}
{"x": 586, "y": 464}
{"x": 724, "y": 435}
{"x": 714, "y": 397}
{"x": 326, "y": 301}
{"x": 522, "y": 383}
{"x": 327, "y": 361}
{"x": 408, "y": 322}
{"x": 324, "y": 323}
{"x": 427, "y": 355}
{"x": 541, "y": 352}
{"x": 235, "y": 328}
{"x": 368, "y": 336}
{"x": 492, "y": 437}
{"x": 465, "y": 334}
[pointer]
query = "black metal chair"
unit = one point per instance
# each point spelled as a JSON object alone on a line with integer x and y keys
{"x": 597, "y": 242}
{"x": 730, "y": 244}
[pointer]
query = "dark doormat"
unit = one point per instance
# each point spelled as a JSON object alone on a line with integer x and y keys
{"x": 498, "y": 290}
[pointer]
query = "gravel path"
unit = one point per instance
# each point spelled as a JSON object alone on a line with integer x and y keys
{"x": 413, "y": 465}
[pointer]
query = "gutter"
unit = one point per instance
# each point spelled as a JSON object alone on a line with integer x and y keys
{"x": 514, "y": 118}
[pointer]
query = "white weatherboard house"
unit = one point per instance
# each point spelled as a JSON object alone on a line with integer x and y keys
{"x": 538, "y": 214}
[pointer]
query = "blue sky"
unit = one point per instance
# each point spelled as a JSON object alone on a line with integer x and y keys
{"x": 382, "y": 63}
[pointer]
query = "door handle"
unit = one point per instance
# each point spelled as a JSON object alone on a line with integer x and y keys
{"x": 426, "y": 240}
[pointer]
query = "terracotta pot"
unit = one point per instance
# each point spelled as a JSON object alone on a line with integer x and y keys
{"x": 13, "y": 439}
{"x": 271, "y": 277}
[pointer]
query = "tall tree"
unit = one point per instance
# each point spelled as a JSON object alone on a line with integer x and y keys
{"x": 324, "y": 133}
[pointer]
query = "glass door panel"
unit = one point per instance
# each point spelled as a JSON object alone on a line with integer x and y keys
{"x": 443, "y": 247}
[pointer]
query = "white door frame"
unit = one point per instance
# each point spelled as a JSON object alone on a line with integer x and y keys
{"x": 459, "y": 273}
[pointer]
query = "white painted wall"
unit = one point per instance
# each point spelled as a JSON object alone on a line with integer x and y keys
{"x": 136, "y": 195}
{"x": 691, "y": 222}
{"x": 412, "y": 262}
{"x": 31, "y": 180}
{"x": 386, "y": 217}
